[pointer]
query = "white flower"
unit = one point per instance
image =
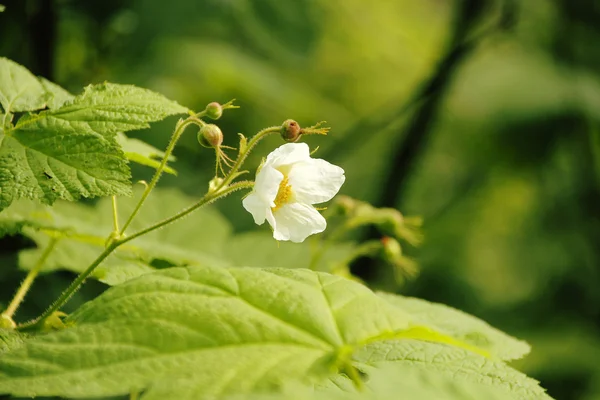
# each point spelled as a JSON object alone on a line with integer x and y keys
{"x": 287, "y": 186}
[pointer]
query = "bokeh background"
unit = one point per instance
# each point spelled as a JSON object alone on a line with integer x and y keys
{"x": 481, "y": 116}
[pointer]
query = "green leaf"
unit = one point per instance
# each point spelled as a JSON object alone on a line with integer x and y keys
{"x": 71, "y": 151}
{"x": 54, "y": 159}
{"x": 382, "y": 384}
{"x": 235, "y": 330}
{"x": 83, "y": 231}
{"x": 20, "y": 90}
{"x": 461, "y": 326}
{"x": 56, "y": 95}
{"x": 2, "y": 8}
{"x": 454, "y": 362}
{"x": 10, "y": 339}
{"x": 142, "y": 153}
{"x": 109, "y": 108}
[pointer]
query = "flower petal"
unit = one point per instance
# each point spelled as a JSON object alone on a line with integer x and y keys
{"x": 267, "y": 183}
{"x": 257, "y": 207}
{"x": 297, "y": 221}
{"x": 287, "y": 154}
{"x": 315, "y": 181}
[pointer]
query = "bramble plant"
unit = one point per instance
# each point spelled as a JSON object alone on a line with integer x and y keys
{"x": 230, "y": 316}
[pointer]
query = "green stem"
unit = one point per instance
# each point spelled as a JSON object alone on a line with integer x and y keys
{"x": 207, "y": 199}
{"x": 112, "y": 246}
{"x": 115, "y": 214}
{"x": 244, "y": 154}
{"x": 176, "y": 135}
{"x": 28, "y": 281}
{"x": 69, "y": 291}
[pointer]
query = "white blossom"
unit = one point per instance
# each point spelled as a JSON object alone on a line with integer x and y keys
{"x": 287, "y": 186}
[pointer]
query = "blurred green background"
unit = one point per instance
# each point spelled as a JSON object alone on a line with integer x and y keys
{"x": 483, "y": 117}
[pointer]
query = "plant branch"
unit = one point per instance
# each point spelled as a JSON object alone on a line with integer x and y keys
{"x": 113, "y": 245}
{"x": 28, "y": 281}
{"x": 176, "y": 135}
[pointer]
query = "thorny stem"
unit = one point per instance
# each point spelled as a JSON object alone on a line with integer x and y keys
{"x": 112, "y": 246}
{"x": 28, "y": 281}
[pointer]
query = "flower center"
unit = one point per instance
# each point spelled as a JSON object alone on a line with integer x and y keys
{"x": 284, "y": 194}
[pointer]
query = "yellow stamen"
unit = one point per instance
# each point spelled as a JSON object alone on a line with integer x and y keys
{"x": 283, "y": 195}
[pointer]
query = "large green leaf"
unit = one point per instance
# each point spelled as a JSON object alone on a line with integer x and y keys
{"x": 454, "y": 362}
{"x": 235, "y": 330}
{"x": 56, "y": 95}
{"x": 53, "y": 159}
{"x": 388, "y": 383}
{"x": 83, "y": 231}
{"x": 20, "y": 90}
{"x": 461, "y": 326}
{"x": 108, "y": 108}
{"x": 71, "y": 151}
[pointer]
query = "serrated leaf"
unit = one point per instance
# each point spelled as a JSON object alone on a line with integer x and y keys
{"x": 53, "y": 159}
{"x": 20, "y": 90}
{"x": 108, "y": 108}
{"x": 56, "y": 96}
{"x": 461, "y": 326}
{"x": 454, "y": 362}
{"x": 142, "y": 153}
{"x": 84, "y": 229}
{"x": 237, "y": 330}
{"x": 71, "y": 151}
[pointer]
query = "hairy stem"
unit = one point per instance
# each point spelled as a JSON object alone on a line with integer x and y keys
{"x": 112, "y": 246}
{"x": 28, "y": 281}
{"x": 244, "y": 154}
{"x": 115, "y": 214}
{"x": 174, "y": 139}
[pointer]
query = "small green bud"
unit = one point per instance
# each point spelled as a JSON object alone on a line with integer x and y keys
{"x": 391, "y": 249}
{"x": 214, "y": 110}
{"x": 7, "y": 322}
{"x": 290, "y": 130}
{"x": 210, "y": 136}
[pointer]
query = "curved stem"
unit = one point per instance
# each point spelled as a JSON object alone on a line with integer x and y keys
{"x": 176, "y": 135}
{"x": 76, "y": 284}
{"x": 207, "y": 199}
{"x": 244, "y": 154}
{"x": 69, "y": 291}
{"x": 28, "y": 281}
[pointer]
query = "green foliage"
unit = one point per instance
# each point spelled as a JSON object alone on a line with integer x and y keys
{"x": 200, "y": 332}
{"x": 82, "y": 232}
{"x": 456, "y": 363}
{"x": 461, "y": 326}
{"x": 20, "y": 90}
{"x": 70, "y": 150}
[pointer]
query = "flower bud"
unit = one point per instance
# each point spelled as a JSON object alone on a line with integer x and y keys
{"x": 391, "y": 249}
{"x": 290, "y": 130}
{"x": 210, "y": 135}
{"x": 213, "y": 110}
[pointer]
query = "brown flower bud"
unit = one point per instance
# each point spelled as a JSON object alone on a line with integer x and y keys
{"x": 290, "y": 130}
